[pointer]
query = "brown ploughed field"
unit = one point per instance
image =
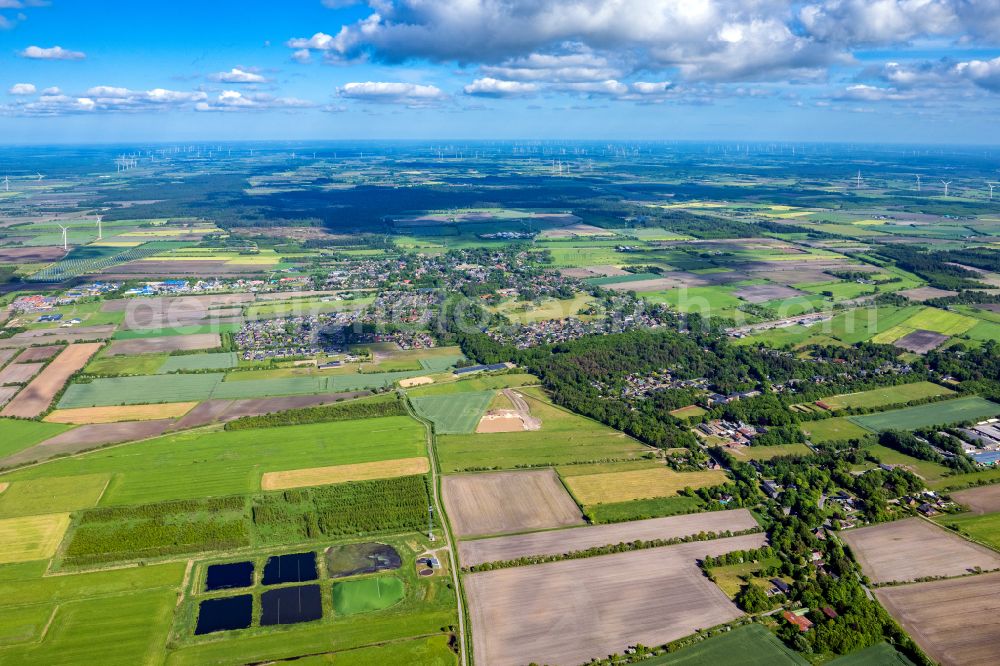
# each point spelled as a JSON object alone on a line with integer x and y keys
{"x": 499, "y": 502}
{"x": 955, "y": 621}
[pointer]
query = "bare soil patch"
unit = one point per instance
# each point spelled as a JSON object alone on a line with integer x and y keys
{"x": 36, "y": 396}
{"x": 985, "y": 499}
{"x": 760, "y": 293}
{"x": 925, "y": 293}
{"x": 321, "y": 476}
{"x": 30, "y": 255}
{"x": 656, "y": 284}
{"x": 219, "y": 411}
{"x": 905, "y": 550}
{"x": 6, "y": 393}
{"x": 956, "y": 621}
{"x": 498, "y": 502}
{"x": 39, "y": 353}
{"x": 568, "y": 612}
{"x": 19, "y": 373}
{"x": 167, "y": 343}
{"x": 558, "y": 542}
{"x": 7, "y": 354}
{"x": 510, "y": 420}
{"x": 415, "y": 381}
{"x": 920, "y": 342}
{"x": 86, "y": 438}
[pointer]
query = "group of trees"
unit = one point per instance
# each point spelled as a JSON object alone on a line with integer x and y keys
{"x": 357, "y": 409}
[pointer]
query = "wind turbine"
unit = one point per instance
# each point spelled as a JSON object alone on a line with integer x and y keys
{"x": 100, "y": 234}
{"x": 859, "y": 179}
{"x": 65, "y": 239}
{"x": 991, "y": 186}
{"x": 6, "y": 183}
{"x": 946, "y": 183}
{"x": 40, "y": 176}
{"x": 918, "y": 182}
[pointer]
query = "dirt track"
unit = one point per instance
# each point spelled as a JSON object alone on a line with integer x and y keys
{"x": 499, "y": 502}
{"x": 955, "y": 621}
{"x": 568, "y": 612}
{"x": 36, "y": 396}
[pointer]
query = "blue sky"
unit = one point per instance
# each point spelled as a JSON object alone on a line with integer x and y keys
{"x": 827, "y": 70}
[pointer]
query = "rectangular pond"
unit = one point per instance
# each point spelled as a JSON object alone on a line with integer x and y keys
{"x": 290, "y": 605}
{"x": 294, "y": 568}
{"x": 224, "y": 614}
{"x": 228, "y": 576}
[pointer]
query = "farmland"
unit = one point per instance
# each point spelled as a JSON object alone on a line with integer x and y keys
{"x": 498, "y": 502}
{"x": 909, "y": 549}
{"x": 558, "y": 542}
{"x": 541, "y": 613}
{"x": 453, "y": 414}
{"x": 36, "y": 396}
{"x": 751, "y": 645}
{"x": 611, "y": 487}
{"x": 563, "y": 438}
{"x": 939, "y": 413}
{"x": 954, "y": 621}
{"x": 190, "y": 465}
{"x": 891, "y": 395}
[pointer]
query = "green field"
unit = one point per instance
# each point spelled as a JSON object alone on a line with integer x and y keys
{"x": 179, "y": 330}
{"x": 750, "y": 645}
{"x": 826, "y": 430}
{"x": 971, "y": 408}
{"x": 52, "y": 495}
{"x": 642, "y": 509}
{"x": 144, "y": 364}
{"x": 563, "y": 438}
{"x": 367, "y": 594}
{"x": 453, "y": 414}
{"x": 150, "y": 389}
{"x": 890, "y": 395}
{"x": 478, "y": 382}
{"x": 768, "y": 452}
{"x": 211, "y": 361}
{"x": 985, "y": 528}
{"x": 192, "y": 465}
{"x": 18, "y": 434}
{"x": 925, "y": 469}
{"x": 880, "y": 654}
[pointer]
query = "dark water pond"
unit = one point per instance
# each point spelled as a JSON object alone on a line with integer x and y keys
{"x": 295, "y": 568}
{"x": 224, "y": 614}
{"x": 226, "y": 576}
{"x": 289, "y": 605}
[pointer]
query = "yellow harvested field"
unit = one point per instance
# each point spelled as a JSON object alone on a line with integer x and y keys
{"x": 320, "y": 476}
{"x": 118, "y": 413}
{"x": 31, "y": 537}
{"x": 410, "y": 382}
{"x": 612, "y": 487}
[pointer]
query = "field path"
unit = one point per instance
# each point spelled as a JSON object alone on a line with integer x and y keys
{"x": 449, "y": 540}
{"x": 522, "y": 407}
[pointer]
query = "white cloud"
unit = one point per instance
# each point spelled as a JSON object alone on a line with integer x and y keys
{"x": 490, "y": 87}
{"x": 865, "y": 93}
{"x": 579, "y": 66}
{"x": 234, "y": 100}
{"x": 52, "y": 53}
{"x": 53, "y": 90}
{"x": 238, "y": 75}
{"x": 984, "y": 73}
{"x": 23, "y": 89}
{"x": 392, "y": 92}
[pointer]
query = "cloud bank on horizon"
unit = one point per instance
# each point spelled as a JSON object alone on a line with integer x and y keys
{"x": 926, "y": 57}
